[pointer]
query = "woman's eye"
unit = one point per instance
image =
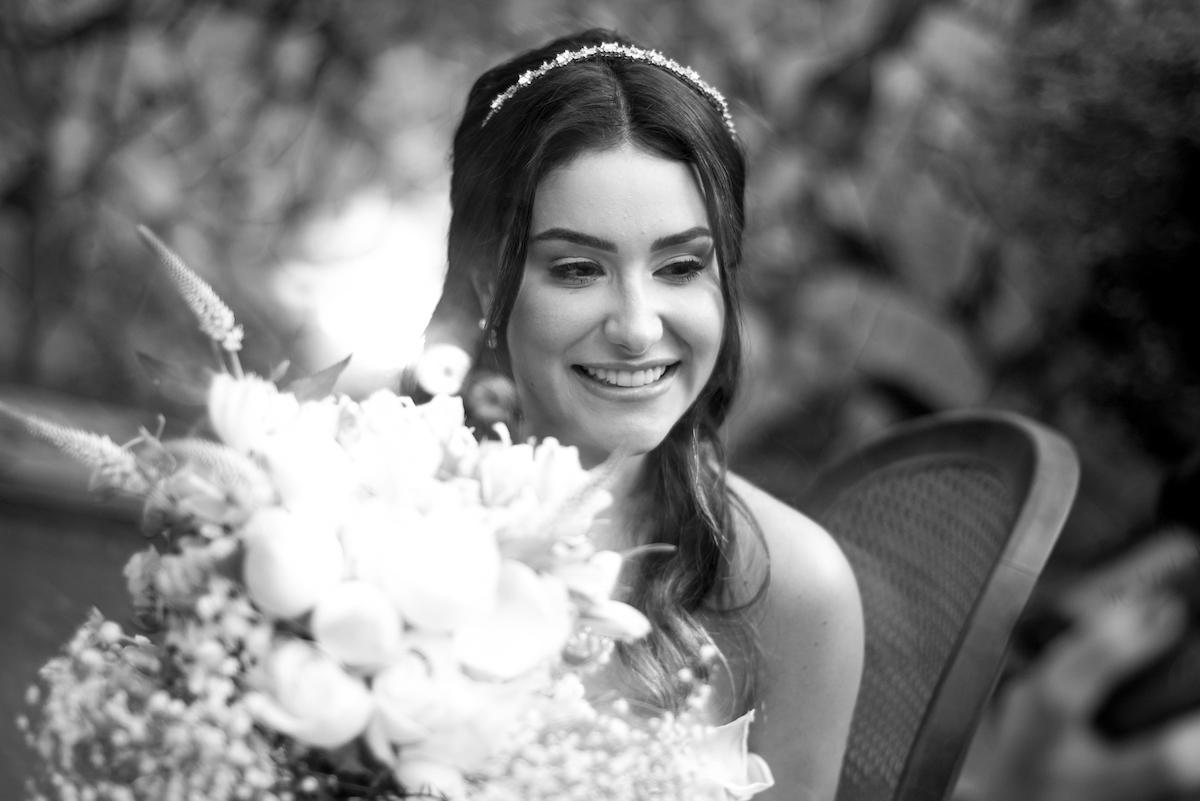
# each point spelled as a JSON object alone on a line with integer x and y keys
{"x": 681, "y": 270}
{"x": 575, "y": 272}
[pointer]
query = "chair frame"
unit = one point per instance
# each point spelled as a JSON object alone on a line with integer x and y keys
{"x": 1042, "y": 470}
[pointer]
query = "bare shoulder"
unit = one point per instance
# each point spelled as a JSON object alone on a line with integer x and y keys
{"x": 806, "y": 564}
{"x": 810, "y": 628}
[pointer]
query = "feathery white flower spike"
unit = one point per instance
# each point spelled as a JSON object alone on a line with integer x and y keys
{"x": 216, "y": 319}
{"x": 112, "y": 465}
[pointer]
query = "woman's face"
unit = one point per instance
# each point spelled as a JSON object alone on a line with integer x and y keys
{"x": 619, "y": 318}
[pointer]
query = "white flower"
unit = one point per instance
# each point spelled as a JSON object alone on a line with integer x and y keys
{"x": 614, "y": 619}
{"x": 291, "y": 561}
{"x": 310, "y": 697}
{"x": 182, "y": 577}
{"x": 543, "y": 497}
{"x": 310, "y": 470}
{"x": 357, "y": 624}
{"x": 244, "y": 410}
{"x": 591, "y": 581}
{"x": 728, "y": 771}
{"x": 505, "y": 472}
{"x": 528, "y": 625}
{"x": 371, "y": 538}
{"x": 211, "y": 483}
{"x": 392, "y": 446}
{"x": 592, "y": 578}
{"x": 444, "y": 414}
{"x": 406, "y": 703}
{"x": 558, "y": 475}
{"x": 427, "y": 709}
{"x": 139, "y": 577}
{"x": 442, "y": 572}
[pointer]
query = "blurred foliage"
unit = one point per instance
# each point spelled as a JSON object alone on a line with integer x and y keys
{"x": 1102, "y": 137}
{"x": 225, "y": 127}
{"x": 949, "y": 203}
{"x": 230, "y": 127}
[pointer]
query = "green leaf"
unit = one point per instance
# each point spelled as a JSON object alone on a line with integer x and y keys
{"x": 319, "y": 384}
{"x": 184, "y": 384}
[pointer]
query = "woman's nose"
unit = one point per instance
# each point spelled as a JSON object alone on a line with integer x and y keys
{"x": 634, "y": 324}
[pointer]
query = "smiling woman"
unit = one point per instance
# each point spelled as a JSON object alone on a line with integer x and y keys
{"x": 619, "y": 318}
{"x": 597, "y": 212}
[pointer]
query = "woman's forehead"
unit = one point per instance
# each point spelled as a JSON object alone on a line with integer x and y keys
{"x": 622, "y": 191}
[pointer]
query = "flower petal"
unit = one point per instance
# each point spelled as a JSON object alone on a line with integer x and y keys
{"x": 529, "y": 624}
{"x": 243, "y": 410}
{"x": 405, "y": 699}
{"x": 311, "y": 698}
{"x": 290, "y": 562}
{"x": 357, "y": 624}
{"x": 446, "y": 570}
{"x": 593, "y": 578}
{"x": 615, "y": 619}
{"x": 723, "y": 759}
{"x": 504, "y": 471}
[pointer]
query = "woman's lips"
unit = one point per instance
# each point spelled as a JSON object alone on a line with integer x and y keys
{"x": 631, "y": 379}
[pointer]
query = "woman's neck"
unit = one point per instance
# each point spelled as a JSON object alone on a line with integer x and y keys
{"x": 624, "y": 477}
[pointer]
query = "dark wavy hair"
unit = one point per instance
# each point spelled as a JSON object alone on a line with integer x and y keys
{"x": 599, "y": 104}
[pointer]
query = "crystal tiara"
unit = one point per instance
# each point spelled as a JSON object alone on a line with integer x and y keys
{"x": 616, "y": 50}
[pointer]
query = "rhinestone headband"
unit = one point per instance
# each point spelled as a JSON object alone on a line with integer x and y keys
{"x": 614, "y": 49}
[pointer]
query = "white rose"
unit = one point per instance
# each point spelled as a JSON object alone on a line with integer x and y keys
{"x": 309, "y": 468}
{"x": 528, "y": 625}
{"x": 372, "y": 537}
{"x": 445, "y": 570}
{"x": 290, "y": 561}
{"x": 427, "y": 709}
{"x": 406, "y": 704}
{"x": 357, "y": 624}
{"x": 392, "y": 446}
{"x": 310, "y": 697}
{"x": 397, "y": 418}
{"x": 437, "y": 570}
{"x": 244, "y": 410}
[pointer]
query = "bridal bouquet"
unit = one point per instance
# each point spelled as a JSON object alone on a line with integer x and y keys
{"x": 354, "y": 599}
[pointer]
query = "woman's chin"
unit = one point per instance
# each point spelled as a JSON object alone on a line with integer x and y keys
{"x": 623, "y": 443}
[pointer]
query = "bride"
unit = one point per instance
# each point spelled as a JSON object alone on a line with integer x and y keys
{"x": 597, "y": 196}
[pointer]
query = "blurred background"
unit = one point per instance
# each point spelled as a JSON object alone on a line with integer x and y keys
{"x": 954, "y": 203}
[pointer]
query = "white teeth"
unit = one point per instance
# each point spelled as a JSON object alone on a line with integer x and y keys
{"x": 627, "y": 378}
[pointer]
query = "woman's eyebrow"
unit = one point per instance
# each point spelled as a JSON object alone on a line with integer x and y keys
{"x": 595, "y": 242}
{"x": 681, "y": 238}
{"x": 576, "y": 238}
